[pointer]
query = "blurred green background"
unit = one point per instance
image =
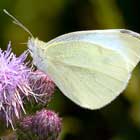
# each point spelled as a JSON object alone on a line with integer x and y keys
{"x": 47, "y": 19}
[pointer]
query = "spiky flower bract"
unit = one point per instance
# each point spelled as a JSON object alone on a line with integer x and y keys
{"x": 44, "y": 125}
{"x": 42, "y": 85}
{"x": 14, "y": 84}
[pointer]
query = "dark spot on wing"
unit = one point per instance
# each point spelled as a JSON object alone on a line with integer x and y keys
{"x": 134, "y": 34}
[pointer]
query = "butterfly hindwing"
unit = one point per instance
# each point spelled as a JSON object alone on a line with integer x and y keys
{"x": 90, "y": 75}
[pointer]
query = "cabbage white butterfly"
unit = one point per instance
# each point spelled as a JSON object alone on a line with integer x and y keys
{"x": 90, "y": 67}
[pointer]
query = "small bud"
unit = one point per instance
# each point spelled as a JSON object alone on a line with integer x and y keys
{"x": 44, "y": 125}
{"x": 24, "y": 129}
{"x": 26, "y": 123}
{"x": 42, "y": 86}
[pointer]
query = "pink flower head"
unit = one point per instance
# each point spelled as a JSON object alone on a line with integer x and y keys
{"x": 14, "y": 84}
{"x": 18, "y": 81}
{"x": 42, "y": 85}
{"x": 44, "y": 125}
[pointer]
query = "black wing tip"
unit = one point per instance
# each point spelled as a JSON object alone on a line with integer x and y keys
{"x": 129, "y": 32}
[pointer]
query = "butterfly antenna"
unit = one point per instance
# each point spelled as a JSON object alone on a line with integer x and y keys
{"x": 15, "y": 21}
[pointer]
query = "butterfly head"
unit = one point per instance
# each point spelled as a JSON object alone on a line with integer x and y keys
{"x": 36, "y": 47}
{"x": 37, "y": 51}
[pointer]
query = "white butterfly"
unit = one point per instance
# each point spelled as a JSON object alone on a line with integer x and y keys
{"x": 90, "y": 67}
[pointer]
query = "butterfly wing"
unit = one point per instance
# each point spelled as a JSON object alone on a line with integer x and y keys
{"x": 89, "y": 74}
{"x": 90, "y": 67}
{"x": 126, "y": 42}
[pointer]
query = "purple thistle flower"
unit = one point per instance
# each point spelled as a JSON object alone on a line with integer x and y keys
{"x": 14, "y": 84}
{"x": 44, "y": 125}
{"x": 18, "y": 81}
{"x": 42, "y": 85}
